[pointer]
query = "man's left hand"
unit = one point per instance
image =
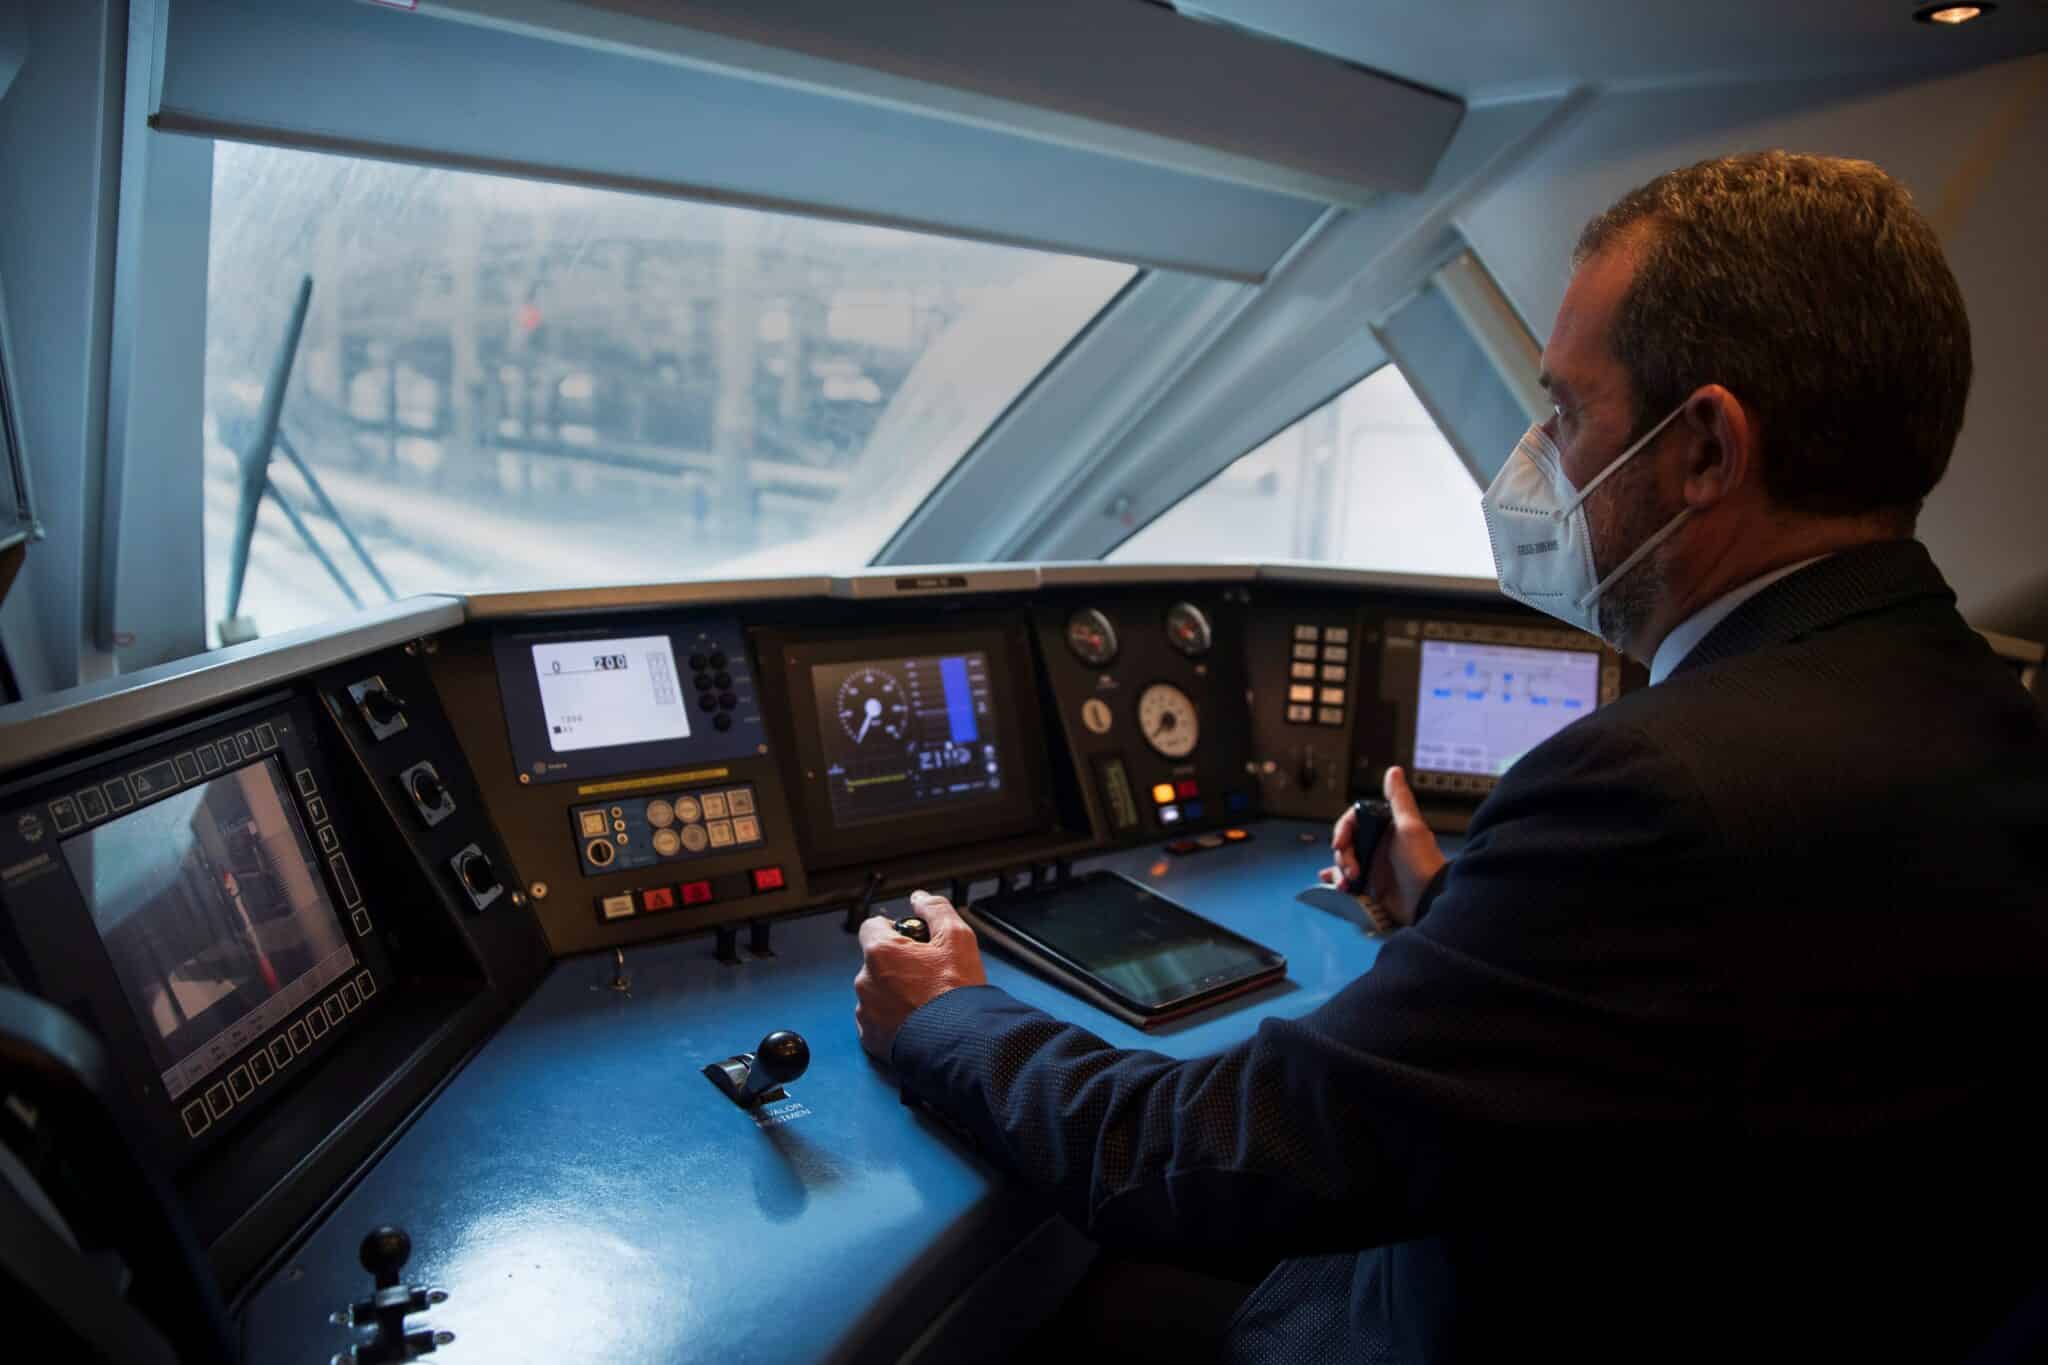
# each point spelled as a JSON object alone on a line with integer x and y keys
{"x": 898, "y": 974}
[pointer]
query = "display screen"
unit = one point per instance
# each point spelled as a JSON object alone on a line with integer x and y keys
{"x": 595, "y": 694}
{"x": 904, "y": 737}
{"x": 1480, "y": 707}
{"x": 212, "y": 908}
{"x": 1142, "y": 946}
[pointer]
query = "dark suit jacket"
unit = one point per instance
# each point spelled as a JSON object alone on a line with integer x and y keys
{"x": 1722, "y": 1038}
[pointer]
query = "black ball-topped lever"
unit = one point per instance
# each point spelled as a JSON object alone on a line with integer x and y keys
{"x": 751, "y": 1078}
{"x": 384, "y": 1253}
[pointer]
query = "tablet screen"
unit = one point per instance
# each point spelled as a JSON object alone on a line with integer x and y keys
{"x": 1150, "y": 950}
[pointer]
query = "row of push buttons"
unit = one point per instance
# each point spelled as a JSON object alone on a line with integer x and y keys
{"x": 161, "y": 778}
{"x": 266, "y": 1062}
{"x": 330, "y": 844}
{"x": 653, "y": 900}
{"x": 1182, "y": 800}
{"x": 1318, "y": 675}
{"x": 1454, "y": 782}
{"x": 715, "y": 696}
{"x": 689, "y": 823}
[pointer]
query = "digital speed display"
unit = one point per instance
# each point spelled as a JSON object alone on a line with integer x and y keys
{"x": 598, "y": 693}
{"x": 903, "y": 737}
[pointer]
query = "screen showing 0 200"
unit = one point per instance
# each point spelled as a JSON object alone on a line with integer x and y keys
{"x": 213, "y": 912}
{"x": 903, "y": 737}
{"x": 598, "y": 693}
{"x": 1480, "y": 707}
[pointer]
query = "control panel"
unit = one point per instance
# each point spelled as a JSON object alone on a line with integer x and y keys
{"x": 1150, "y": 687}
{"x": 645, "y": 831}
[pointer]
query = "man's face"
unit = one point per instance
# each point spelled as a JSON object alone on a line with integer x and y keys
{"x": 1593, "y": 422}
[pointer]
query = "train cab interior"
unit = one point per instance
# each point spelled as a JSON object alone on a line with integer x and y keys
{"x": 525, "y": 523}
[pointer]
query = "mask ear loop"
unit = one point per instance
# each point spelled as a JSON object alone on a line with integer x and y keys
{"x": 1654, "y": 541}
{"x": 1617, "y": 463}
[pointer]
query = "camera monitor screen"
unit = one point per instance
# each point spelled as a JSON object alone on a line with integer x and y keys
{"x": 212, "y": 908}
{"x": 1480, "y": 707}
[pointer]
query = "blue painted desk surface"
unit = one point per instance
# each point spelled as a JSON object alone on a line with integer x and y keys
{"x": 584, "y": 1193}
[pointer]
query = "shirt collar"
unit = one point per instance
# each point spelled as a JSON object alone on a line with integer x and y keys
{"x": 1696, "y": 627}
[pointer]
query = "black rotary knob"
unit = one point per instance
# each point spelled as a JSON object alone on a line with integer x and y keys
{"x": 478, "y": 874}
{"x": 384, "y": 1254}
{"x": 782, "y": 1057}
{"x": 384, "y": 705}
{"x": 428, "y": 789}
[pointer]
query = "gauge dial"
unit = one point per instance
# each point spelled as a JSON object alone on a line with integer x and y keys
{"x": 1167, "y": 720}
{"x": 1091, "y": 637}
{"x": 871, "y": 705}
{"x": 1187, "y": 629}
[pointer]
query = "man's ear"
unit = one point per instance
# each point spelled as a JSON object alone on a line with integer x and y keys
{"x": 1720, "y": 446}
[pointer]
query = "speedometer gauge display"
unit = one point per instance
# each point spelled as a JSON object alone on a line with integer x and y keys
{"x": 1167, "y": 719}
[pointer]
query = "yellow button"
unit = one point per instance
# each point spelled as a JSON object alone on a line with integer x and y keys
{"x": 1163, "y": 793}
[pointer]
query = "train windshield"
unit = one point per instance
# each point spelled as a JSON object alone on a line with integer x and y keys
{"x": 508, "y": 383}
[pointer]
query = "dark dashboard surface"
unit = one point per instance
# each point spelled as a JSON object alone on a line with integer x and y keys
{"x": 584, "y": 844}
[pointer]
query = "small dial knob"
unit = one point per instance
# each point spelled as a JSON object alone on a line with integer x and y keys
{"x": 478, "y": 875}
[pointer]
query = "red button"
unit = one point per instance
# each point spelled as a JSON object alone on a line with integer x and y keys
{"x": 696, "y": 893}
{"x": 657, "y": 898}
{"x": 767, "y": 879}
{"x": 1187, "y": 789}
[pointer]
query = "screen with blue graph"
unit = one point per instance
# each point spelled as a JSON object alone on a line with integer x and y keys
{"x": 906, "y": 736}
{"x": 1480, "y": 707}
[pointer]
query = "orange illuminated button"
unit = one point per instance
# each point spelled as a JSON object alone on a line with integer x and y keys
{"x": 657, "y": 898}
{"x": 1236, "y": 836}
{"x": 696, "y": 893}
{"x": 1163, "y": 794}
{"x": 768, "y": 879}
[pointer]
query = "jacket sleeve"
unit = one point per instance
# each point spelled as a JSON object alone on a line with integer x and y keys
{"x": 1520, "y": 1025}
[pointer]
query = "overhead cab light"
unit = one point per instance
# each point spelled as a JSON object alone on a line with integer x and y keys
{"x": 1951, "y": 15}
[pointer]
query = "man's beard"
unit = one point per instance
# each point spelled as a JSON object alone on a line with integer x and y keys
{"x": 1622, "y": 515}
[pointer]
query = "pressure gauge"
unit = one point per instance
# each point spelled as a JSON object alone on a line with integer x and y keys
{"x": 1166, "y": 717}
{"x": 1091, "y": 637}
{"x": 1187, "y": 630}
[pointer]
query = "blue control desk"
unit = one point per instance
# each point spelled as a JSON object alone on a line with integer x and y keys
{"x": 584, "y": 1193}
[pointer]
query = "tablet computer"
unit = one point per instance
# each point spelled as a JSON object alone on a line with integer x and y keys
{"x": 1124, "y": 947}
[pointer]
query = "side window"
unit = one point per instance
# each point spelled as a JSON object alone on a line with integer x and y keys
{"x": 1366, "y": 481}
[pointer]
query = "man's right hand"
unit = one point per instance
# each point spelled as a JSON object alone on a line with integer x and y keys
{"x": 1406, "y": 861}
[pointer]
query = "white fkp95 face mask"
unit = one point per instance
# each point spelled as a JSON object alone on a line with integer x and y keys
{"x": 1542, "y": 542}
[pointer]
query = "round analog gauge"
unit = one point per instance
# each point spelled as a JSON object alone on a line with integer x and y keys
{"x": 1091, "y": 637}
{"x": 871, "y": 705}
{"x": 1167, "y": 720}
{"x": 1187, "y": 630}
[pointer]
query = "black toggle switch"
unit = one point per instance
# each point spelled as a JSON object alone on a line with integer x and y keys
{"x": 752, "y": 1078}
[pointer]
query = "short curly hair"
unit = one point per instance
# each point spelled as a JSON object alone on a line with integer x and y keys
{"x": 1813, "y": 290}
